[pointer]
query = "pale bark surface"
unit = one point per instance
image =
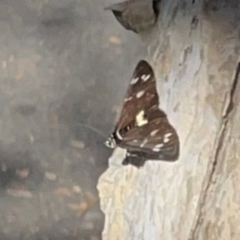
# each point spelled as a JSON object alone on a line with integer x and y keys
{"x": 198, "y": 197}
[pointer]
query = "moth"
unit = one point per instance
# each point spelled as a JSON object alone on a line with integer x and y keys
{"x": 142, "y": 128}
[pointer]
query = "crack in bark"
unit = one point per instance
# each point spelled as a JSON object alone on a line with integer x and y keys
{"x": 220, "y": 140}
{"x": 232, "y": 92}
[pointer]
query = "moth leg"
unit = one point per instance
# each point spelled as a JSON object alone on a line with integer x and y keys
{"x": 135, "y": 159}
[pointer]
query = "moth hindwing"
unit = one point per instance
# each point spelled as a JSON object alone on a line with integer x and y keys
{"x": 142, "y": 128}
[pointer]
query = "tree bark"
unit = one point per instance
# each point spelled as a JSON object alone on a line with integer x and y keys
{"x": 197, "y": 198}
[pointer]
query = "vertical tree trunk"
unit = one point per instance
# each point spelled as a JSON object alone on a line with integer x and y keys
{"x": 198, "y": 197}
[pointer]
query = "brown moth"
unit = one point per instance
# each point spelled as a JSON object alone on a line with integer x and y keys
{"x": 142, "y": 128}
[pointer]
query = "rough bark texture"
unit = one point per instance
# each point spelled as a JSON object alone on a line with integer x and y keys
{"x": 198, "y": 197}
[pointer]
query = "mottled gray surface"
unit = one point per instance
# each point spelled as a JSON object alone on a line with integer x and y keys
{"x": 63, "y": 63}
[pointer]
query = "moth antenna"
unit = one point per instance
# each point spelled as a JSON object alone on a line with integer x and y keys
{"x": 61, "y": 125}
{"x": 86, "y": 126}
{"x": 91, "y": 128}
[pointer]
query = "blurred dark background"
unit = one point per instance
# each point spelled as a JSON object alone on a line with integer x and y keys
{"x": 64, "y": 64}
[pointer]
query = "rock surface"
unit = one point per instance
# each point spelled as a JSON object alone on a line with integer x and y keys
{"x": 197, "y": 198}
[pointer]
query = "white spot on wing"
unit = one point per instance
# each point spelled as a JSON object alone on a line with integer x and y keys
{"x": 145, "y": 77}
{"x": 165, "y": 140}
{"x": 140, "y": 94}
{"x": 135, "y": 140}
{"x": 158, "y": 147}
{"x": 140, "y": 120}
{"x": 166, "y": 137}
{"x": 168, "y": 134}
{"x": 134, "y": 80}
{"x": 127, "y": 99}
{"x": 154, "y": 132}
{"x": 144, "y": 143}
{"x": 118, "y": 135}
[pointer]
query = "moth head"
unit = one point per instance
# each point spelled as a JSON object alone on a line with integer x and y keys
{"x": 110, "y": 142}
